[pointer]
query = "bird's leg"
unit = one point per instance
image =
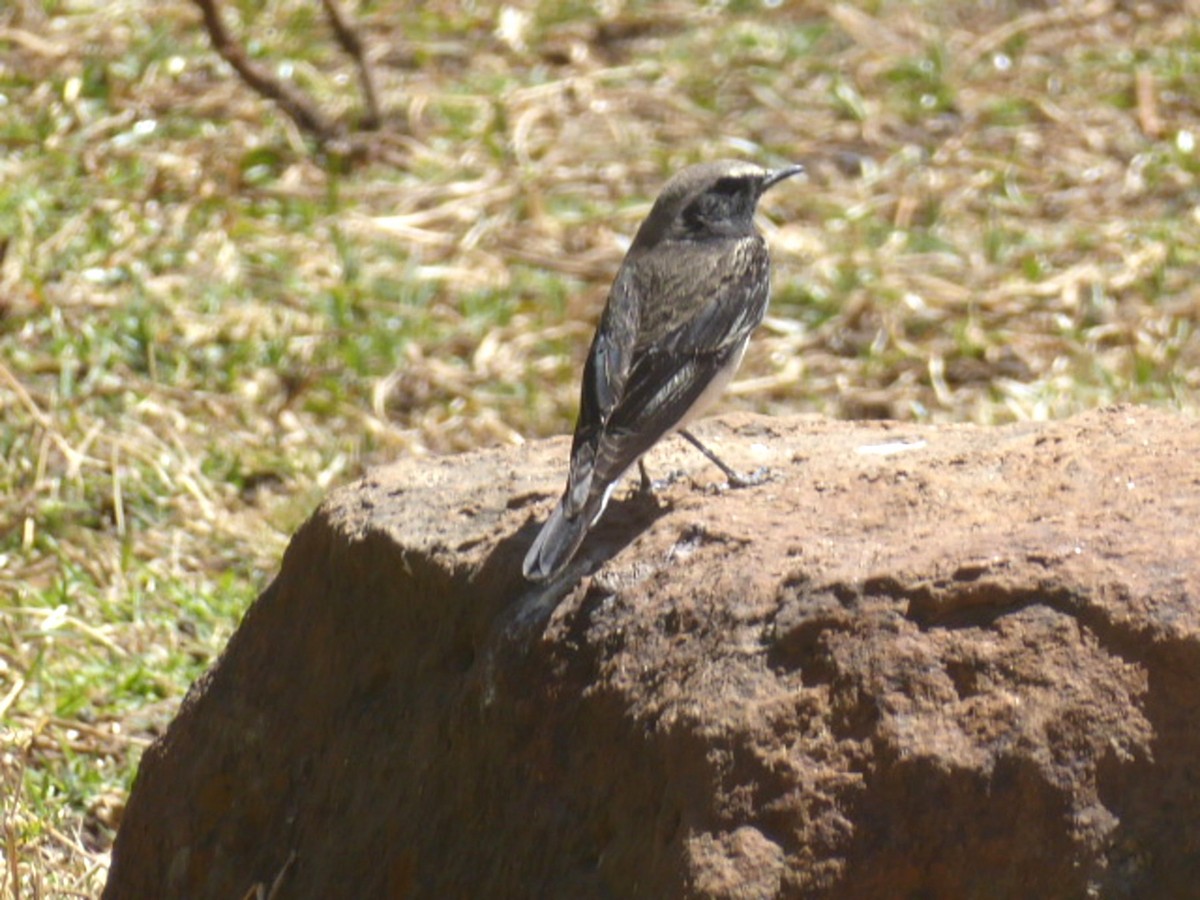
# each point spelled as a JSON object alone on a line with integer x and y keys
{"x": 736, "y": 479}
{"x": 646, "y": 487}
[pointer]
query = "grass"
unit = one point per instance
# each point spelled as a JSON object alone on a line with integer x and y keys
{"x": 205, "y": 325}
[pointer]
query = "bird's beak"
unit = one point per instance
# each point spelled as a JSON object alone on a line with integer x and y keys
{"x": 779, "y": 175}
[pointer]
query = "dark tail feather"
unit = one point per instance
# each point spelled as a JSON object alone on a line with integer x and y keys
{"x": 557, "y": 542}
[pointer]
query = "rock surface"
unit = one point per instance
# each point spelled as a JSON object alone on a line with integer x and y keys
{"x": 935, "y": 662}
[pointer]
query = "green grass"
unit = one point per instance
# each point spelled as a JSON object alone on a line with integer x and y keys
{"x": 205, "y": 323}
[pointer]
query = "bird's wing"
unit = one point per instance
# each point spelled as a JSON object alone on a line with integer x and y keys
{"x": 671, "y": 362}
{"x": 735, "y": 288}
{"x": 605, "y": 373}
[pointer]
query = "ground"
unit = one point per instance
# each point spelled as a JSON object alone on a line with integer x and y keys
{"x": 206, "y": 322}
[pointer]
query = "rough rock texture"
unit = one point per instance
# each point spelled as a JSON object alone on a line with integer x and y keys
{"x": 920, "y": 662}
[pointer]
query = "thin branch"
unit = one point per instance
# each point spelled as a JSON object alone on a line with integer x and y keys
{"x": 292, "y": 101}
{"x": 353, "y": 45}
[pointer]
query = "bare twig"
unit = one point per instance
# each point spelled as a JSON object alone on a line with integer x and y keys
{"x": 292, "y": 101}
{"x": 353, "y": 46}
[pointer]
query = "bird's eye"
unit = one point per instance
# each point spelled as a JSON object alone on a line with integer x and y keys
{"x": 727, "y": 186}
{"x": 724, "y": 206}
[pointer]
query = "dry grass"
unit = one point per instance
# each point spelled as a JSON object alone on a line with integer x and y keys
{"x": 203, "y": 326}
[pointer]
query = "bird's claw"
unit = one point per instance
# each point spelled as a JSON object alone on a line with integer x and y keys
{"x": 673, "y": 477}
{"x": 761, "y": 475}
{"x": 648, "y": 487}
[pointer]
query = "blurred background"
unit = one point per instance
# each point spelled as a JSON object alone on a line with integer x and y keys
{"x": 211, "y": 313}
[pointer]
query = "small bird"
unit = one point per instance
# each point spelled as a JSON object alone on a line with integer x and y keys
{"x": 690, "y": 291}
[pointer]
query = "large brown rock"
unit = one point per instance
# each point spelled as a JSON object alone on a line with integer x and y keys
{"x": 936, "y": 662}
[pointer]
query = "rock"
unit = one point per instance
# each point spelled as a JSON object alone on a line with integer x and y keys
{"x": 933, "y": 662}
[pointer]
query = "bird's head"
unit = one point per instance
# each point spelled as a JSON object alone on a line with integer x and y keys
{"x": 709, "y": 201}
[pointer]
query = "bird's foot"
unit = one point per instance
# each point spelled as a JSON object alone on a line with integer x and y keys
{"x": 761, "y": 475}
{"x": 648, "y": 488}
{"x": 674, "y": 477}
{"x": 735, "y": 478}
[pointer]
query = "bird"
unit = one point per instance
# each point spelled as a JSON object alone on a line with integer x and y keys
{"x": 691, "y": 289}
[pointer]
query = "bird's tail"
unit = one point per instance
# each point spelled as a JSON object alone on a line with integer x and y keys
{"x": 558, "y": 540}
